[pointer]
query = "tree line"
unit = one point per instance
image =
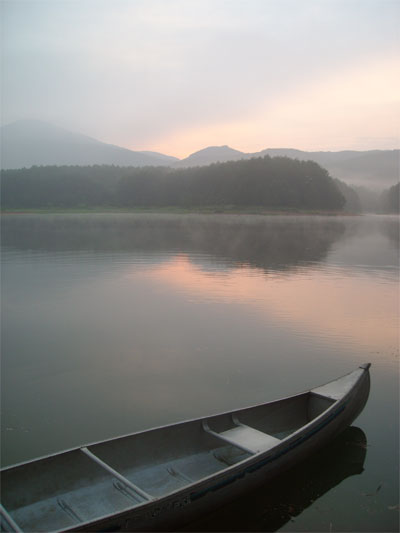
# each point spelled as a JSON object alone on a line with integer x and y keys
{"x": 273, "y": 182}
{"x": 390, "y": 199}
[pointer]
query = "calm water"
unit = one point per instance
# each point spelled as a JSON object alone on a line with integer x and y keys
{"x": 116, "y": 323}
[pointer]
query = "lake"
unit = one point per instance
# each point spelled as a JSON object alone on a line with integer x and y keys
{"x": 113, "y": 323}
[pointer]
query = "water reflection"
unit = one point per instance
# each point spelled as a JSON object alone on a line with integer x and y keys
{"x": 114, "y": 324}
{"x": 369, "y": 244}
{"x": 314, "y": 301}
{"x": 269, "y": 243}
{"x": 390, "y": 228}
{"x": 271, "y": 507}
{"x": 330, "y": 277}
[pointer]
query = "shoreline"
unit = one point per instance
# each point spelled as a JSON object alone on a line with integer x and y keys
{"x": 207, "y": 210}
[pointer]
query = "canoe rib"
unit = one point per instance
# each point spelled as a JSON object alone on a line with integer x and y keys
{"x": 70, "y": 512}
{"x": 116, "y": 474}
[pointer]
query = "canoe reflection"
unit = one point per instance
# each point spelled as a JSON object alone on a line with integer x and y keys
{"x": 271, "y": 507}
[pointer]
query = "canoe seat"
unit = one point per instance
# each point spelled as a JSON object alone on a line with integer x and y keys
{"x": 245, "y": 437}
{"x": 252, "y": 439}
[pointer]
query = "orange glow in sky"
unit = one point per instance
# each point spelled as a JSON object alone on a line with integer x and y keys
{"x": 344, "y": 110}
{"x": 177, "y": 76}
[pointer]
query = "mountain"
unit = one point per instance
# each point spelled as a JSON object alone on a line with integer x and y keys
{"x": 212, "y": 154}
{"x": 31, "y": 142}
{"x": 375, "y": 169}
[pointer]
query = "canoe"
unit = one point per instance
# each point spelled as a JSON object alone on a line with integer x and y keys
{"x": 272, "y": 505}
{"x": 160, "y": 478}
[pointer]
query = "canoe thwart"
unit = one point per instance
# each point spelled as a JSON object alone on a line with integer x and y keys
{"x": 116, "y": 474}
{"x": 9, "y": 520}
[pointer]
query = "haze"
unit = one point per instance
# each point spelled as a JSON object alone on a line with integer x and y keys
{"x": 180, "y": 75}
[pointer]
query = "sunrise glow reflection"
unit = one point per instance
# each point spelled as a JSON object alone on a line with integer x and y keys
{"x": 358, "y": 309}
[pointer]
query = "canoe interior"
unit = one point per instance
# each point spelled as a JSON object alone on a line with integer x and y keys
{"x": 64, "y": 490}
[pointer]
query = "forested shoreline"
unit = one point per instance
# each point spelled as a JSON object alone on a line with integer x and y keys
{"x": 264, "y": 182}
{"x": 269, "y": 182}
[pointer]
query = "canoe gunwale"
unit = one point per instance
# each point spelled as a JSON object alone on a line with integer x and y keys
{"x": 236, "y": 471}
{"x": 200, "y": 487}
{"x": 151, "y": 429}
{"x": 164, "y": 426}
{"x": 252, "y": 463}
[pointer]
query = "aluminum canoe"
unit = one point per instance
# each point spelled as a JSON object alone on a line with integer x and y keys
{"x": 163, "y": 477}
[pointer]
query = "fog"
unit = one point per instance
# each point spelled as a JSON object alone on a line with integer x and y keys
{"x": 181, "y": 75}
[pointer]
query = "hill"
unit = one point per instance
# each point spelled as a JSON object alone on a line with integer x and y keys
{"x": 375, "y": 169}
{"x": 31, "y": 142}
{"x": 266, "y": 182}
{"x": 212, "y": 154}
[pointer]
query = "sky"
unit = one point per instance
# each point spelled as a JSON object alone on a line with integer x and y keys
{"x": 175, "y": 76}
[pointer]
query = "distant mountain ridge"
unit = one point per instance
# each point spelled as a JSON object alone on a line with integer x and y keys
{"x": 376, "y": 169}
{"x": 211, "y": 154}
{"x": 30, "y": 142}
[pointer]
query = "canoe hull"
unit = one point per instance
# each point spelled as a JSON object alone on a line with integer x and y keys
{"x": 186, "y": 505}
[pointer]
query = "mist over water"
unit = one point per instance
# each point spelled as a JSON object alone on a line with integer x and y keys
{"x": 116, "y": 323}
